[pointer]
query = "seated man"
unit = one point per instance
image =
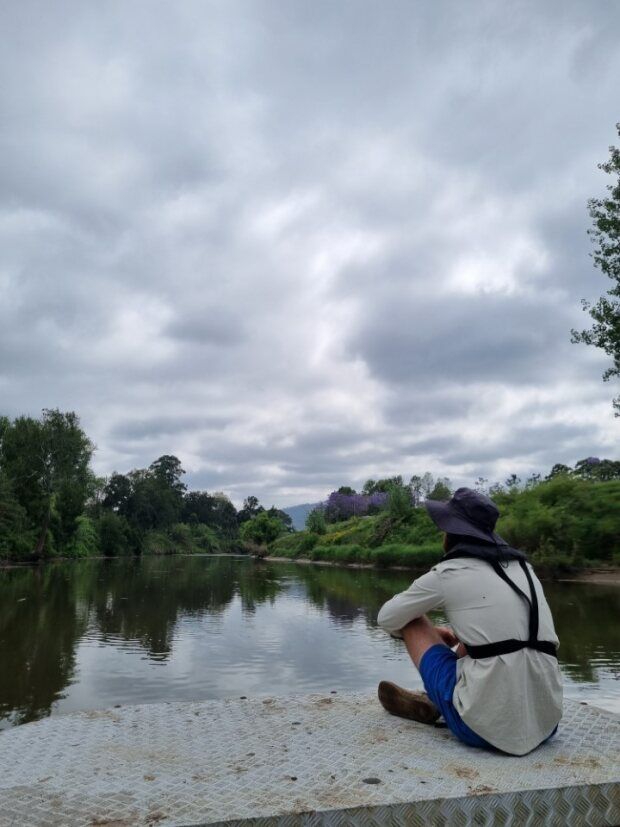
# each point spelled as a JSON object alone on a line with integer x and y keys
{"x": 501, "y": 686}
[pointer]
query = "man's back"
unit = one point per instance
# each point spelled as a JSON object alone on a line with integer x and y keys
{"x": 513, "y": 701}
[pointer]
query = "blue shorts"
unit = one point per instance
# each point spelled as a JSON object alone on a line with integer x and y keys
{"x": 438, "y": 670}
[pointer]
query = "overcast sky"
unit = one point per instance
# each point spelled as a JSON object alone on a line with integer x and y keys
{"x": 299, "y": 244}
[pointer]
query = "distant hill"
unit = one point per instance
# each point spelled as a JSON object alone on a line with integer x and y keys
{"x": 298, "y": 514}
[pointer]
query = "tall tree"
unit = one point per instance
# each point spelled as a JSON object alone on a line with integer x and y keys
{"x": 251, "y": 508}
{"x": 283, "y": 517}
{"x": 117, "y": 494}
{"x": 442, "y": 489}
{"x": 382, "y": 486}
{"x": 167, "y": 470}
{"x": 47, "y": 463}
{"x": 605, "y": 233}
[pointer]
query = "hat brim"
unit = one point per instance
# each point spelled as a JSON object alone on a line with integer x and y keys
{"x": 449, "y": 520}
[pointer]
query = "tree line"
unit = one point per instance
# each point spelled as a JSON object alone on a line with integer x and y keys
{"x": 397, "y": 495}
{"x": 566, "y": 520}
{"x": 52, "y": 503}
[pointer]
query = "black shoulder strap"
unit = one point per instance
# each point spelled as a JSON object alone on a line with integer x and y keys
{"x": 532, "y": 603}
{"x": 534, "y": 619}
{"x": 495, "y": 557}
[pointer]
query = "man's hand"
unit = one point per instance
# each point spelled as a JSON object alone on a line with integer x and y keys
{"x": 447, "y": 635}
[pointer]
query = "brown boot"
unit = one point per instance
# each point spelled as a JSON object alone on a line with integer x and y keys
{"x": 414, "y": 705}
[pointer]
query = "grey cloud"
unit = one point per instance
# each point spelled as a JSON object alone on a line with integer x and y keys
{"x": 149, "y": 427}
{"x": 236, "y": 232}
{"x": 214, "y": 326}
{"x": 483, "y": 338}
{"x": 527, "y": 441}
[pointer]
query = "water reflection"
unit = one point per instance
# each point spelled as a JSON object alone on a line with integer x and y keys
{"x": 586, "y": 617}
{"x": 94, "y": 633}
{"x": 41, "y": 619}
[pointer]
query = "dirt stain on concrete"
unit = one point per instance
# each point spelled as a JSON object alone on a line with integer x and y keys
{"x": 462, "y": 772}
{"x": 588, "y": 763}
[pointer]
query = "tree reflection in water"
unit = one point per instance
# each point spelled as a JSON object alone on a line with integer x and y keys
{"x": 40, "y": 622}
{"x": 140, "y": 604}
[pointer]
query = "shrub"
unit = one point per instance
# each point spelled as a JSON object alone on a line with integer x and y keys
{"x": 565, "y": 516}
{"x": 338, "y": 554}
{"x": 181, "y": 538}
{"x": 158, "y": 542}
{"x": 205, "y": 538}
{"x": 399, "y": 554}
{"x": 86, "y": 540}
{"x": 114, "y": 534}
{"x": 394, "y": 554}
{"x": 307, "y": 542}
{"x": 399, "y": 505}
{"x": 315, "y": 521}
{"x": 262, "y": 529}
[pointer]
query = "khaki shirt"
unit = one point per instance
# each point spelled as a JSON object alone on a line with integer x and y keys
{"x": 512, "y": 701}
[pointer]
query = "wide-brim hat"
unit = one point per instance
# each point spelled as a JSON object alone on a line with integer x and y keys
{"x": 468, "y": 512}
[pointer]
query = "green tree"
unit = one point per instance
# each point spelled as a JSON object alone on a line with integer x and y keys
{"x": 47, "y": 463}
{"x": 285, "y": 519}
{"x": 114, "y": 534}
{"x": 150, "y": 498}
{"x": 315, "y": 521}
{"x": 225, "y": 519}
{"x": 382, "y": 486}
{"x": 199, "y": 508}
{"x": 415, "y": 486}
{"x": 261, "y": 529}
{"x": 558, "y": 468}
{"x": 17, "y": 534}
{"x": 168, "y": 472}
{"x": 117, "y": 494}
{"x": 442, "y": 489}
{"x": 251, "y": 507}
{"x": 512, "y": 483}
{"x": 399, "y": 504}
{"x": 595, "y": 469}
{"x": 605, "y": 233}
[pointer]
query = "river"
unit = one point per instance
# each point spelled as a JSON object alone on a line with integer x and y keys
{"x": 95, "y": 633}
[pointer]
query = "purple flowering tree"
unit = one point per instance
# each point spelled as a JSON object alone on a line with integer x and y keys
{"x": 339, "y": 506}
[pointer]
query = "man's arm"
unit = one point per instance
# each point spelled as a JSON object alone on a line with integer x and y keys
{"x": 422, "y": 596}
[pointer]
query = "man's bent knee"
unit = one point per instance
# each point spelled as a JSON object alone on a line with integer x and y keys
{"x": 419, "y": 635}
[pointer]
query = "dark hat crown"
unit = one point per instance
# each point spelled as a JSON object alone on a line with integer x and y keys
{"x": 475, "y": 507}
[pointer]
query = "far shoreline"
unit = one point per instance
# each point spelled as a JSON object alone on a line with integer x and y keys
{"x": 593, "y": 575}
{"x": 597, "y": 576}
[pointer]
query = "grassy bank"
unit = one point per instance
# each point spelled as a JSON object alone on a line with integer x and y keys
{"x": 564, "y": 525}
{"x": 378, "y": 540}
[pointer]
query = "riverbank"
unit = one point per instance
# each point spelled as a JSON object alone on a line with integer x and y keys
{"x": 595, "y": 576}
{"x": 564, "y": 525}
{"x": 27, "y": 564}
{"x": 598, "y": 577}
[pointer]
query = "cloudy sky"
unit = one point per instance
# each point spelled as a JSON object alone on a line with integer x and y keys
{"x": 298, "y": 243}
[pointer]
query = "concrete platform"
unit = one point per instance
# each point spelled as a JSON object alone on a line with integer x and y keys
{"x": 312, "y": 760}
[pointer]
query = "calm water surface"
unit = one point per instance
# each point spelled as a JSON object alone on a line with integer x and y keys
{"x": 95, "y": 633}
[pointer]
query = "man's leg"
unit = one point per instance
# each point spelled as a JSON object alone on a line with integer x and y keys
{"x": 418, "y": 636}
